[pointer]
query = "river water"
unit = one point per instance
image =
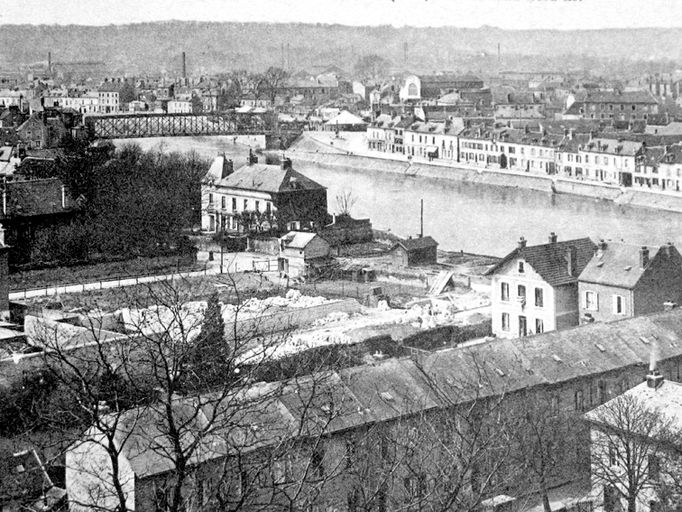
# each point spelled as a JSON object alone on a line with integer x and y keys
{"x": 488, "y": 219}
{"x": 473, "y": 217}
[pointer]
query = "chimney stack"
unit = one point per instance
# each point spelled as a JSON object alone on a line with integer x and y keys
{"x": 521, "y": 243}
{"x": 571, "y": 263}
{"x": 552, "y": 237}
{"x": 184, "y": 65}
{"x": 654, "y": 379}
{"x": 228, "y": 167}
{"x": 643, "y": 257}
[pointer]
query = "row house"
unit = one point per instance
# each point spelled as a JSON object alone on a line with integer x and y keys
{"x": 380, "y": 133}
{"x": 659, "y": 168}
{"x": 561, "y": 284}
{"x": 520, "y": 150}
{"x": 109, "y": 100}
{"x": 431, "y": 140}
{"x": 624, "y": 280}
{"x": 535, "y": 288}
{"x": 616, "y": 105}
{"x": 610, "y": 160}
{"x": 341, "y": 433}
{"x": 179, "y": 107}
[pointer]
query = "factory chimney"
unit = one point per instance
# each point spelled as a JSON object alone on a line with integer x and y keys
{"x": 184, "y": 65}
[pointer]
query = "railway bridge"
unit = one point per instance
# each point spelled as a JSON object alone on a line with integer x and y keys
{"x": 135, "y": 125}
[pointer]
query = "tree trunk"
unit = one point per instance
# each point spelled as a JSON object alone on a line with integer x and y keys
{"x": 632, "y": 503}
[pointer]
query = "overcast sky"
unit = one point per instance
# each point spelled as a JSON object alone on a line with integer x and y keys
{"x": 509, "y": 14}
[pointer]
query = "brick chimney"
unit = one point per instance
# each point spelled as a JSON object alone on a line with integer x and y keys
{"x": 228, "y": 167}
{"x": 643, "y": 257}
{"x": 654, "y": 379}
{"x": 521, "y": 243}
{"x": 552, "y": 237}
{"x": 571, "y": 260}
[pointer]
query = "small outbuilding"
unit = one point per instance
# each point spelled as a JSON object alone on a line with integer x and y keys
{"x": 422, "y": 250}
{"x": 300, "y": 252}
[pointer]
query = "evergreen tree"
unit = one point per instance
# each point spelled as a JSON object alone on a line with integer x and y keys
{"x": 211, "y": 358}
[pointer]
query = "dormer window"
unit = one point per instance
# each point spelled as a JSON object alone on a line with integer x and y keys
{"x": 522, "y": 267}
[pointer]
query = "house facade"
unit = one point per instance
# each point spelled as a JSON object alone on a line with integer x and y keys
{"x": 634, "y": 447}
{"x": 535, "y": 288}
{"x": 299, "y": 250}
{"x": 260, "y": 197}
{"x": 624, "y": 280}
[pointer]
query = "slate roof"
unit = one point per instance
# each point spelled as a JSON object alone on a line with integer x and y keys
{"x": 298, "y": 239}
{"x": 345, "y": 118}
{"x": 392, "y": 388}
{"x": 620, "y": 97}
{"x": 550, "y": 260}
{"x": 618, "y": 264}
{"x": 268, "y": 178}
{"x": 666, "y": 400}
{"x": 412, "y": 244}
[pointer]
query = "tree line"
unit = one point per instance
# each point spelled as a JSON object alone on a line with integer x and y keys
{"x": 129, "y": 202}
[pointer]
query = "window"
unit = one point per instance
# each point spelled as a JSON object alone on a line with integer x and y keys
{"x": 210, "y": 198}
{"x": 505, "y": 321}
{"x": 618, "y": 305}
{"x": 591, "y": 301}
{"x": 234, "y": 204}
{"x": 504, "y": 291}
{"x": 257, "y": 206}
{"x": 521, "y": 267}
{"x": 612, "y": 454}
{"x": 223, "y": 202}
{"x": 601, "y": 391}
{"x": 521, "y": 292}
{"x": 539, "y": 326}
{"x": 246, "y": 204}
{"x": 579, "y": 401}
{"x": 539, "y": 299}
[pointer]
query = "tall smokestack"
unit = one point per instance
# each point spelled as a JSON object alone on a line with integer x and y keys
{"x": 49, "y": 62}
{"x": 184, "y": 65}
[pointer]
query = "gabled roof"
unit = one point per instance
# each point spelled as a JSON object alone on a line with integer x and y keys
{"x": 268, "y": 178}
{"x": 345, "y": 118}
{"x": 550, "y": 260}
{"x": 618, "y": 264}
{"x": 298, "y": 239}
{"x": 412, "y": 244}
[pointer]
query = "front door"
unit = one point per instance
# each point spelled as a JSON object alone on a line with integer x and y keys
{"x": 523, "y": 330}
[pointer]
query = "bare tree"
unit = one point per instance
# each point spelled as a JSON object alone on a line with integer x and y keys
{"x": 345, "y": 202}
{"x": 629, "y": 440}
{"x": 273, "y": 80}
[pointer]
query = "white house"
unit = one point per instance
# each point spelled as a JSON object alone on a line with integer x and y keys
{"x": 299, "y": 250}
{"x": 535, "y": 288}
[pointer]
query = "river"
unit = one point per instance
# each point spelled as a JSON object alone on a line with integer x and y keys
{"x": 478, "y": 218}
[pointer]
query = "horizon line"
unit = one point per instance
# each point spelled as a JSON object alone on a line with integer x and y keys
{"x": 388, "y": 25}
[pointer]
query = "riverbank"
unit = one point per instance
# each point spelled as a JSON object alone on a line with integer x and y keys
{"x": 332, "y": 154}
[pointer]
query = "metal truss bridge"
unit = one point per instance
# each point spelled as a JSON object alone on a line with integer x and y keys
{"x": 127, "y": 126}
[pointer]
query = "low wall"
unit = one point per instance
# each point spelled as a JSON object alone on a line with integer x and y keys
{"x": 353, "y": 231}
{"x": 263, "y": 245}
{"x": 264, "y": 325}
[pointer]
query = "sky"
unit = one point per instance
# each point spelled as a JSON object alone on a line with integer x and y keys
{"x": 507, "y": 14}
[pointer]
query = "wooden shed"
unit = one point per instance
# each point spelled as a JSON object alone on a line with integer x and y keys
{"x": 415, "y": 251}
